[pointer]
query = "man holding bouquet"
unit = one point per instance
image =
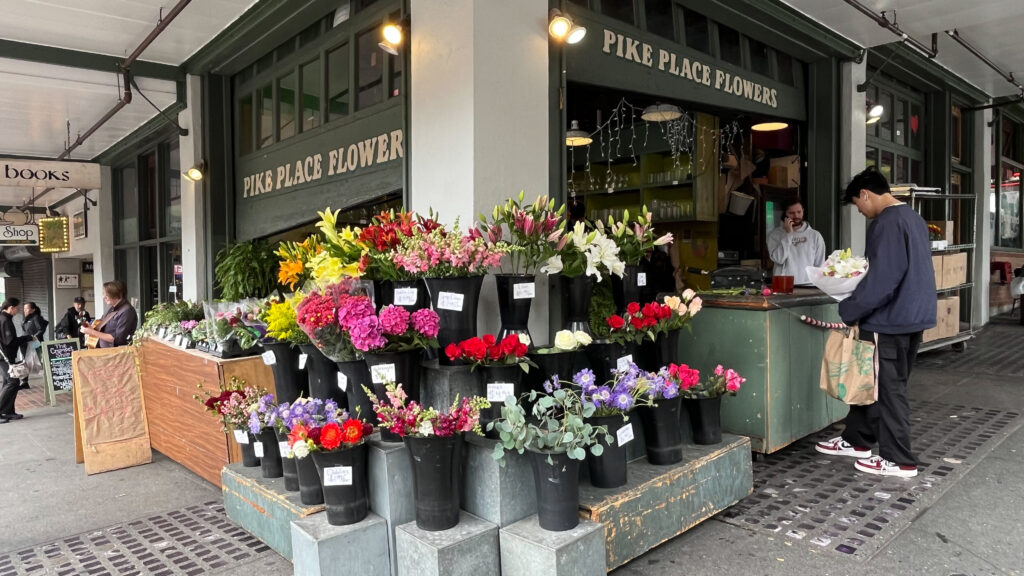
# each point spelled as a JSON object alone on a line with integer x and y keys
{"x": 893, "y": 304}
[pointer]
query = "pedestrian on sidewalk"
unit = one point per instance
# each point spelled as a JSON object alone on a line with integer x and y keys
{"x": 70, "y": 324}
{"x": 34, "y": 326}
{"x": 893, "y": 305}
{"x": 10, "y": 342}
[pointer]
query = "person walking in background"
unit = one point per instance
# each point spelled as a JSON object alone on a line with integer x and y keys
{"x": 119, "y": 323}
{"x": 70, "y": 324}
{"x": 10, "y": 342}
{"x": 893, "y": 305}
{"x": 794, "y": 245}
{"x": 34, "y": 325}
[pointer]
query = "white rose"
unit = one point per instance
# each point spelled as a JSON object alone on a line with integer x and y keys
{"x": 688, "y": 295}
{"x": 695, "y": 306}
{"x": 582, "y": 338}
{"x": 300, "y": 449}
{"x": 524, "y": 339}
{"x": 564, "y": 340}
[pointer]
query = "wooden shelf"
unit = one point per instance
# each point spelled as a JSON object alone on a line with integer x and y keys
{"x": 955, "y": 288}
{"x": 955, "y": 247}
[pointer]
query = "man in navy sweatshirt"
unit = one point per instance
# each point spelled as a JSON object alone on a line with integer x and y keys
{"x": 893, "y": 305}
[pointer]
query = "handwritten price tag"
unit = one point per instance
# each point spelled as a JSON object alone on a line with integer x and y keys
{"x": 641, "y": 278}
{"x": 342, "y": 382}
{"x": 498, "y": 391}
{"x": 381, "y": 373}
{"x": 284, "y": 448}
{"x": 624, "y": 434}
{"x": 338, "y": 476}
{"x": 450, "y": 301}
{"x": 302, "y": 361}
{"x": 241, "y": 437}
{"x": 257, "y": 447}
{"x": 622, "y": 364}
{"x": 406, "y": 296}
{"x": 524, "y": 290}
{"x": 269, "y": 359}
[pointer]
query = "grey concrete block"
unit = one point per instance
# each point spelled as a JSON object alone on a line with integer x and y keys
{"x": 529, "y": 550}
{"x": 318, "y": 548}
{"x": 440, "y": 385}
{"x": 468, "y": 549}
{"x": 499, "y": 495}
{"x": 390, "y": 477}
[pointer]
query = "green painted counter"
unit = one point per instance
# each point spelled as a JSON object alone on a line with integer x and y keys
{"x": 764, "y": 340}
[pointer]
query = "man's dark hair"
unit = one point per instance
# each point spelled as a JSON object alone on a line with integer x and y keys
{"x": 791, "y": 201}
{"x": 870, "y": 180}
{"x": 9, "y": 302}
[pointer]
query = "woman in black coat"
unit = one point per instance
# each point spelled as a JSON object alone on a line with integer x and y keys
{"x": 34, "y": 327}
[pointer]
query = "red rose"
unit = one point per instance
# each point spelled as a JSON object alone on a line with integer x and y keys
{"x": 648, "y": 309}
{"x": 489, "y": 339}
{"x": 474, "y": 348}
{"x": 650, "y": 321}
{"x": 494, "y": 352}
{"x": 637, "y": 322}
{"x": 351, "y": 431}
{"x": 330, "y": 435}
{"x": 452, "y": 351}
{"x": 509, "y": 344}
{"x": 367, "y": 428}
{"x": 615, "y": 321}
{"x": 664, "y": 311}
{"x": 632, "y": 308}
{"x": 521, "y": 350}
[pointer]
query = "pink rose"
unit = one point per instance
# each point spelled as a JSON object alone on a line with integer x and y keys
{"x": 719, "y": 370}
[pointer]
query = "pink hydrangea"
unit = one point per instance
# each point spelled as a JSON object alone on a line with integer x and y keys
{"x": 394, "y": 320}
{"x": 353, "y": 311}
{"x": 367, "y": 334}
{"x": 426, "y": 322}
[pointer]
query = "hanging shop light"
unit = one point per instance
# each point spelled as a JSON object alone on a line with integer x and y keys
{"x": 661, "y": 113}
{"x": 769, "y": 126}
{"x": 576, "y": 137}
{"x": 195, "y": 173}
{"x": 561, "y": 28}
{"x": 875, "y": 113}
{"x": 393, "y": 35}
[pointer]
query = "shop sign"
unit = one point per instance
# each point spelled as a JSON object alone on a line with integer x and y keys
{"x": 25, "y": 235}
{"x": 49, "y": 174}
{"x": 346, "y": 159}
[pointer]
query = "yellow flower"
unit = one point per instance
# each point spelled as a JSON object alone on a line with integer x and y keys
{"x": 329, "y": 270}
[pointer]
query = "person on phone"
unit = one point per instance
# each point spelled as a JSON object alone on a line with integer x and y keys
{"x": 794, "y": 245}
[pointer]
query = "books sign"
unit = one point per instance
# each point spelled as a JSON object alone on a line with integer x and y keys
{"x": 49, "y": 174}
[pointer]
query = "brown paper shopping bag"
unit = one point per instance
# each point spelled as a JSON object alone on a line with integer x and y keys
{"x": 848, "y": 368}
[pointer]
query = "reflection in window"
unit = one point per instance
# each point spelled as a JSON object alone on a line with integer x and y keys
{"x": 885, "y": 167}
{"x": 871, "y": 157}
{"x": 337, "y": 82}
{"x": 696, "y": 31}
{"x": 618, "y": 9}
{"x": 128, "y": 207}
{"x": 885, "y": 124}
{"x": 311, "y": 95}
{"x": 916, "y": 126}
{"x": 900, "y": 135}
{"x": 760, "y": 58}
{"x": 659, "y": 18}
{"x": 395, "y": 84}
{"x": 902, "y": 169}
{"x": 286, "y": 106}
{"x": 244, "y": 122}
{"x": 172, "y": 207}
{"x": 785, "y": 66}
{"x": 729, "y": 45}
{"x": 266, "y": 115}
{"x": 370, "y": 70}
{"x": 1009, "y": 209}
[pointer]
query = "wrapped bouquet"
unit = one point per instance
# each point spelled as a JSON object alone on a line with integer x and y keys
{"x": 840, "y": 274}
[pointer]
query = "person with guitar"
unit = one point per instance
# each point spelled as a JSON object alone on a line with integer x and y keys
{"x": 116, "y": 327}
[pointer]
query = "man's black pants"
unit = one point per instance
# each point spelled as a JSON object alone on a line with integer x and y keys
{"x": 887, "y": 421}
{"x": 9, "y": 392}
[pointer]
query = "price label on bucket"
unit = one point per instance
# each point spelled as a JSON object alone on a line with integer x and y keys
{"x": 524, "y": 290}
{"x": 338, "y": 476}
{"x": 406, "y": 296}
{"x": 342, "y": 382}
{"x": 241, "y": 437}
{"x": 450, "y": 301}
{"x": 381, "y": 373}
{"x": 284, "y": 448}
{"x": 641, "y": 278}
{"x": 624, "y": 434}
{"x": 498, "y": 391}
{"x": 257, "y": 448}
{"x": 269, "y": 359}
{"x": 622, "y": 364}
{"x": 302, "y": 360}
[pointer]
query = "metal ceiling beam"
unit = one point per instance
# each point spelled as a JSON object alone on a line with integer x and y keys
{"x": 884, "y": 22}
{"x": 85, "y": 60}
{"x": 1008, "y": 76}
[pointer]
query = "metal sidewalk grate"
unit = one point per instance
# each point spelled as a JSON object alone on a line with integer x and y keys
{"x": 197, "y": 540}
{"x": 824, "y": 500}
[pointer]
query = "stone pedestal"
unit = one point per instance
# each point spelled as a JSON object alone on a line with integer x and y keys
{"x": 529, "y": 550}
{"x": 390, "y": 477}
{"x": 500, "y": 495}
{"x": 440, "y": 385}
{"x": 468, "y": 549}
{"x": 318, "y": 548}
{"x": 263, "y": 507}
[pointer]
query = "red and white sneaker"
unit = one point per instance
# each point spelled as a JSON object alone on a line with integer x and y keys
{"x": 882, "y": 467}
{"x": 839, "y": 447}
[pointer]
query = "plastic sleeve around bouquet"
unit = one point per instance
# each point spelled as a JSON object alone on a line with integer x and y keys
{"x": 227, "y": 321}
{"x": 317, "y": 316}
{"x": 839, "y": 288}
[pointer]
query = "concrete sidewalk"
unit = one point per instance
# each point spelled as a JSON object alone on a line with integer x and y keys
{"x": 162, "y": 519}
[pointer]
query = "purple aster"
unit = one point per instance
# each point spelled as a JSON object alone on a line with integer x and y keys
{"x": 623, "y": 401}
{"x": 584, "y": 379}
{"x": 547, "y": 386}
{"x": 601, "y": 395}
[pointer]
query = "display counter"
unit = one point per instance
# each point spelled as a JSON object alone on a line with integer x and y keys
{"x": 179, "y": 425}
{"x": 764, "y": 339}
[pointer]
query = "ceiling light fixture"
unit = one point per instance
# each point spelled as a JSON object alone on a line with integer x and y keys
{"x": 876, "y": 111}
{"x": 769, "y": 126}
{"x": 561, "y": 28}
{"x": 661, "y": 113}
{"x": 195, "y": 173}
{"x": 393, "y": 35}
{"x": 577, "y": 137}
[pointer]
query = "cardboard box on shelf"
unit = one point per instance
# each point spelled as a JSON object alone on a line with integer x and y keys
{"x": 784, "y": 172}
{"x": 949, "y": 307}
{"x": 947, "y": 229}
{"x": 954, "y": 269}
{"x": 935, "y": 332}
{"x": 937, "y": 267}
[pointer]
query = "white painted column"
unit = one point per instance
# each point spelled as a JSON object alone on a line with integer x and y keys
{"x": 479, "y": 115}
{"x": 852, "y": 144}
{"x": 103, "y": 257}
{"x": 982, "y": 163}
{"x": 193, "y": 215}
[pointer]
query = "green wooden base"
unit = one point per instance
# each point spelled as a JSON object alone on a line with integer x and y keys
{"x": 262, "y": 506}
{"x": 660, "y": 502}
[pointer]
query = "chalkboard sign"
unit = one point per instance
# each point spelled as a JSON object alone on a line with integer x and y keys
{"x": 57, "y": 365}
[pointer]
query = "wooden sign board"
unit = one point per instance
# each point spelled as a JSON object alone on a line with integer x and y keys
{"x": 57, "y": 367}
{"x": 111, "y": 430}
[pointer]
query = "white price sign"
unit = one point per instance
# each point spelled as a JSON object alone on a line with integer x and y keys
{"x": 450, "y": 301}
{"x": 381, "y": 373}
{"x": 342, "y": 382}
{"x": 257, "y": 447}
{"x": 641, "y": 278}
{"x": 269, "y": 359}
{"x": 498, "y": 391}
{"x": 241, "y": 437}
{"x": 284, "y": 448}
{"x": 624, "y": 434}
{"x": 302, "y": 360}
{"x": 338, "y": 476}
{"x": 622, "y": 364}
{"x": 406, "y": 296}
{"x": 524, "y": 290}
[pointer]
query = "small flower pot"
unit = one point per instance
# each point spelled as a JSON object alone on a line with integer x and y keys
{"x": 576, "y": 292}
{"x": 270, "y": 461}
{"x": 627, "y": 288}
{"x": 455, "y": 301}
{"x": 291, "y": 475}
{"x": 609, "y": 469}
{"x": 249, "y": 458}
{"x": 705, "y": 419}
{"x": 558, "y": 490}
{"x": 311, "y": 491}
{"x": 515, "y": 296}
{"x": 497, "y": 382}
{"x": 343, "y": 479}
{"x": 437, "y": 480}
{"x": 289, "y": 381}
{"x": 661, "y": 431}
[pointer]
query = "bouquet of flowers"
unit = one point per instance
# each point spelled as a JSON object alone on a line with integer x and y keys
{"x": 531, "y": 229}
{"x": 678, "y": 379}
{"x": 722, "y": 381}
{"x": 682, "y": 309}
{"x": 638, "y": 324}
{"x": 935, "y": 234}
{"x": 317, "y": 314}
{"x": 634, "y": 239}
{"x": 488, "y": 351}
{"x": 438, "y": 253}
{"x": 234, "y": 321}
{"x": 293, "y": 267}
{"x": 581, "y": 252}
{"x": 393, "y": 330}
{"x": 232, "y": 404}
{"x": 840, "y": 274}
{"x": 385, "y": 234}
{"x": 626, "y": 390}
{"x": 568, "y": 341}
{"x": 414, "y": 420}
{"x": 342, "y": 434}
{"x": 282, "y": 323}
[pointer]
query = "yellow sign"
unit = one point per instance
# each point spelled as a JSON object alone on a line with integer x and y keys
{"x": 53, "y": 235}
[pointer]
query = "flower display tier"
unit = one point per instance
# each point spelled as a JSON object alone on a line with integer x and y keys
{"x": 471, "y": 547}
{"x": 318, "y": 548}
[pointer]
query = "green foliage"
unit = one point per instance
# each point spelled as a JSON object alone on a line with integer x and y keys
{"x": 171, "y": 315}
{"x": 602, "y": 305}
{"x": 247, "y": 270}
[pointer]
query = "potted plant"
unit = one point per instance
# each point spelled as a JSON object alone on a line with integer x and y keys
{"x": 556, "y": 436}
{"x": 557, "y": 362}
{"x": 281, "y": 350}
{"x": 246, "y": 270}
{"x": 397, "y": 285}
{"x": 305, "y": 418}
{"x": 612, "y": 400}
{"x": 266, "y": 446}
{"x": 634, "y": 239}
{"x": 502, "y": 364}
{"x": 231, "y": 406}
{"x": 704, "y": 403}
{"x": 530, "y": 230}
{"x": 338, "y": 449}
{"x": 625, "y": 333}
{"x": 434, "y": 440}
{"x": 660, "y": 420}
{"x": 582, "y": 257}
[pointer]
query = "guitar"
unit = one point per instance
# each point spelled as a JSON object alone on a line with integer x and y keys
{"x": 92, "y": 342}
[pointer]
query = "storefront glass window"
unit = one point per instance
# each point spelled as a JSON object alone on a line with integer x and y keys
{"x": 395, "y": 84}
{"x": 1011, "y": 132}
{"x": 127, "y": 269}
{"x": 900, "y": 136}
{"x": 128, "y": 206}
{"x": 244, "y": 122}
{"x": 172, "y": 209}
{"x": 311, "y": 95}
{"x": 618, "y": 9}
{"x": 871, "y": 158}
{"x": 784, "y": 62}
{"x": 915, "y": 171}
{"x": 149, "y": 196}
{"x": 729, "y": 48}
{"x": 885, "y": 167}
{"x": 266, "y": 116}
{"x": 337, "y": 82}
{"x": 885, "y": 124}
{"x": 285, "y": 49}
{"x": 171, "y": 271}
{"x": 1009, "y": 208}
{"x": 760, "y": 58}
{"x": 370, "y": 71}
{"x": 310, "y": 34}
{"x": 286, "y": 106}
{"x": 696, "y": 31}
{"x": 659, "y": 18}
{"x": 902, "y": 169}
{"x": 916, "y": 122}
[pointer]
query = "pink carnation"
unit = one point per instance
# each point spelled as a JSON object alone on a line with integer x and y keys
{"x": 367, "y": 334}
{"x": 353, "y": 311}
{"x": 426, "y": 322}
{"x": 394, "y": 320}
{"x": 719, "y": 370}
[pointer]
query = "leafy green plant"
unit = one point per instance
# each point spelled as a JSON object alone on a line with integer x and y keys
{"x": 247, "y": 270}
{"x": 171, "y": 315}
{"x": 602, "y": 305}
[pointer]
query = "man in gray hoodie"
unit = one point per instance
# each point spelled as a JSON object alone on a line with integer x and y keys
{"x": 794, "y": 245}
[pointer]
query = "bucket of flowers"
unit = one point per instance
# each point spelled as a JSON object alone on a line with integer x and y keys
{"x": 231, "y": 405}
{"x": 703, "y": 400}
{"x": 626, "y": 333}
{"x": 303, "y": 420}
{"x": 502, "y": 364}
{"x": 634, "y": 238}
